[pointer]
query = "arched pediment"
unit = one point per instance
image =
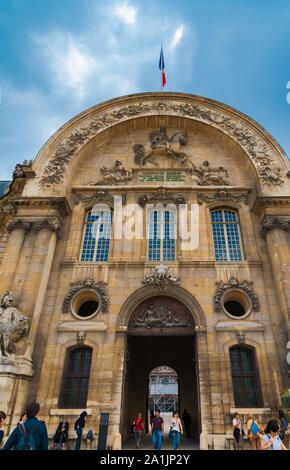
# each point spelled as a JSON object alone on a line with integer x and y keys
{"x": 55, "y": 158}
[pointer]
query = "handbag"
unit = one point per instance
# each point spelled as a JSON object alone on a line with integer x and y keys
{"x": 90, "y": 434}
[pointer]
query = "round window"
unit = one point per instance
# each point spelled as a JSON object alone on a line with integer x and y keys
{"x": 85, "y": 304}
{"x": 236, "y": 303}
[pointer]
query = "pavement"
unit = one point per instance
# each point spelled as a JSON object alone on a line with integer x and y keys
{"x": 146, "y": 444}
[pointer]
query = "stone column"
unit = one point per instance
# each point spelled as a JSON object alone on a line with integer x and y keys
{"x": 41, "y": 262}
{"x": 17, "y": 230}
{"x": 275, "y": 232}
{"x": 75, "y": 232}
{"x": 204, "y": 390}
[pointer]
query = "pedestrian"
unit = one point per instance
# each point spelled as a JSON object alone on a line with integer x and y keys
{"x": 175, "y": 430}
{"x": 255, "y": 432}
{"x": 238, "y": 432}
{"x": 2, "y": 422}
{"x": 138, "y": 428}
{"x": 61, "y": 434}
{"x": 31, "y": 434}
{"x": 271, "y": 439}
{"x": 79, "y": 428}
{"x": 157, "y": 430}
{"x": 283, "y": 424}
{"x": 187, "y": 423}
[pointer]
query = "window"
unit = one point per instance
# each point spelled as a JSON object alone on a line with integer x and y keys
{"x": 76, "y": 377}
{"x": 161, "y": 236}
{"x": 97, "y": 235}
{"x": 245, "y": 376}
{"x": 226, "y": 235}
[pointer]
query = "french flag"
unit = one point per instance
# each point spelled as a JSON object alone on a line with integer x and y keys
{"x": 162, "y": 67}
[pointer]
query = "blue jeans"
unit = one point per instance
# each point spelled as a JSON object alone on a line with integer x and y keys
{"x": 157, "y": 439}
{"x": 176, "y": 439}
{"x": 79, "y": 440}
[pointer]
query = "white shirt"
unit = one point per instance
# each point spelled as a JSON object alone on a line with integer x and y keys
{"x": 175, "y": 424}
{"x": 236, "y": 421}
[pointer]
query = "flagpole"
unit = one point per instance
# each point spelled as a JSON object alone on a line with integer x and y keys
{"x": 161, "y": 89}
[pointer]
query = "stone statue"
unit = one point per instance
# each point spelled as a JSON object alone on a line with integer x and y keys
{"x": 118, "y": 174}
{"x": 207, "y": 176}
{"x": 13, "y": 325}
{"x": 162, "y": 146}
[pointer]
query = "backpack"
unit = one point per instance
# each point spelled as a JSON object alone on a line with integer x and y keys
{"x": 26, "y": 441}
{"x": 255, "y": 428}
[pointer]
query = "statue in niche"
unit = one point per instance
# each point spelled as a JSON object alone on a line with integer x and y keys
{"x": 162, "y": 146}
{"x": 115, "y": 175}
{"x": 207, "y": 176}
{"x": 13, "y": 325}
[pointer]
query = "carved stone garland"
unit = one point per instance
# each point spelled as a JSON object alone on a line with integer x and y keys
{"x": 162, "y": 196}
{"x": 223, "y": 196}
{"x": 234, "y": 283}
{"x": 247, "y": 139}
{"x": 89, "y": 283}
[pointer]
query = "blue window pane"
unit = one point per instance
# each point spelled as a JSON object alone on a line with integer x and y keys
{"x": 97, "y": 236}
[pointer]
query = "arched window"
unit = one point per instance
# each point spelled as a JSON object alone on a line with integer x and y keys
{"x": 97, "y": 236}
{"x": 162, "y": 228}
{"x": 226, "y": 235}
{"x": 245, "y": 377}
{"x": 76, "y": 377}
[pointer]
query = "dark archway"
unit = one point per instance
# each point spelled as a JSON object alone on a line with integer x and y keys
{"x": 161, "y": 330}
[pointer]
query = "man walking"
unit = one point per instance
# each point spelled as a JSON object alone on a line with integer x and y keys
{"x": 157, "y": 431}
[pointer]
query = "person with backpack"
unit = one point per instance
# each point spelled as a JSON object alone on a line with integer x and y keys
{"x": 61, "y": 434}
{"x": 79, "y": 429}
{"x": 2, "y": 421}
{"x": 255, "y": 432}
{"x": 31, "y": 435}
{"x": 271, "y": 439}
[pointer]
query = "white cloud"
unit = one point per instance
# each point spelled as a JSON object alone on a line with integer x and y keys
{"x": 125, "y": 12}
{"x": 177, "y": 37}
{"x": 68, "y": 60}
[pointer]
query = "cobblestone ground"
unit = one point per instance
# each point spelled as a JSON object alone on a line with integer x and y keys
{"x": 146, "y": 444}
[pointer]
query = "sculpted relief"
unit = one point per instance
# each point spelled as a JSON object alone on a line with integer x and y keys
{"x": 170, "y": 147}
{"x": 13, "y": 325}
{"x": 161, "y": 312}
{"x": 161, "y": 150}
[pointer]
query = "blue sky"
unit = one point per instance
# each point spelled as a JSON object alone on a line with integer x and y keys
{"x": 59, "y": 57}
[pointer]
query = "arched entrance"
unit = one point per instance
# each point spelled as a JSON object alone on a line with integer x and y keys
{"x": 161, "y": 331}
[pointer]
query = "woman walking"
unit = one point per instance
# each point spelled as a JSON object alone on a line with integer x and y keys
{"x": 271, "y": 440}
{"x": 79, "y": 428}
{"x": 138, "y": 428}
{"x": 175, "y": 430}
{"x": 61, "y": 434}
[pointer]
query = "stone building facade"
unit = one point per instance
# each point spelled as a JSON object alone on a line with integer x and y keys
{"x": 92, "y": 317}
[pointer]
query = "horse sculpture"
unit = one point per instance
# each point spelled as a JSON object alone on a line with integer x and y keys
{"x": 162, "y": 146}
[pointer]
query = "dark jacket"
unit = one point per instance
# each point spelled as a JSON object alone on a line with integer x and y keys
{"x": 40, "y": 435}
{"x": 1, "y": 435}
{"x": 59, "y": 434}
{"x": 80, "y": 423}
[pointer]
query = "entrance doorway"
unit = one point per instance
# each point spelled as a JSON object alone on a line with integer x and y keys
{"x": 161, "y": 332}
{"x": 144, "y": 354}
